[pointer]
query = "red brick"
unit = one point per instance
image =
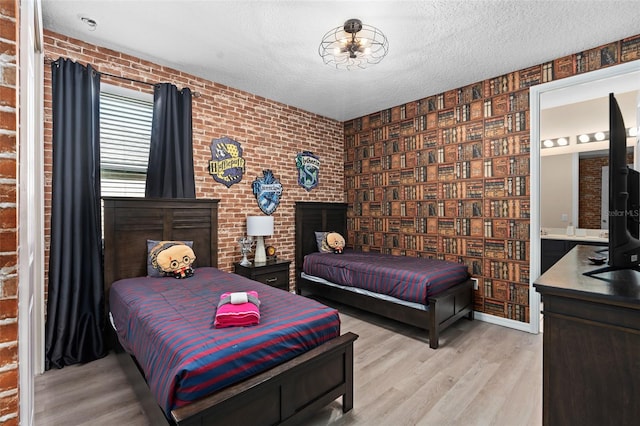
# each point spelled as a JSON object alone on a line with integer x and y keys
{"x": 8, "y": 120}
{"x": 8, "y": 143}
{"x": 8, "y": 241}
{"x": 8, "y": 380}
{"x": 8, "y": 168}
{"x": 8, "y": 332}
{"x": 8, "y": 8}
{"x": 8, "y": 76}
{"x": 9, "y": 354}
{"x": 7, "y": 95}
{"x": 8, "y": 308}
{"x": 8, "y": 217}
{"x": 8, "y": 193}
{"x": 8, "y": 260}
{"x": 8, "y": 49}
{"x": 13, "y": 421}
{"x": 9, "y": 288}
{"x": 8, "y": 405}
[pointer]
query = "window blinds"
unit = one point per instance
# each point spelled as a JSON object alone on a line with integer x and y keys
{"x": 125, "y": 135}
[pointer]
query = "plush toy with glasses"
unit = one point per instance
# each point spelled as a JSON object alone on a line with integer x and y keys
{"x": 172, "y": 258}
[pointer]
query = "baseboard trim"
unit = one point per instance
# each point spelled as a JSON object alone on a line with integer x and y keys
{"x": 505, "y": 322}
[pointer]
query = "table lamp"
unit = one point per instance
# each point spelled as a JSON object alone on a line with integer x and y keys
{"x": 260, "y": 226}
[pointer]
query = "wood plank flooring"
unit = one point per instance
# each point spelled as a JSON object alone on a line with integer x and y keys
{"x": 482, "y": 374}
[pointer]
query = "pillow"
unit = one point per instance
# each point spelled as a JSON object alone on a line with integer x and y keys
{"x": 320, "y": 239}
{"x": 170, "y": 258}
{"x": 330, "y": 242}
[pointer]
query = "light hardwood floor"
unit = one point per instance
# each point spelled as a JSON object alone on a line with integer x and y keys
{"x": 482, "y": 374}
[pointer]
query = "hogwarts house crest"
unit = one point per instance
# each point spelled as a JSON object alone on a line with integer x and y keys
{"x": 226, "y": 165}
{"x": 267, "y": 190}
{"x": 308, "y": 166}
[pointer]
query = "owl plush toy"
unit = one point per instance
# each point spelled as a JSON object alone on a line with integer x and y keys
{"x": 174, "y": 259}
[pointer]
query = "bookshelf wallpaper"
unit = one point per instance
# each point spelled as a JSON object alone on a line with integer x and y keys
{"x": 447, "y": 177}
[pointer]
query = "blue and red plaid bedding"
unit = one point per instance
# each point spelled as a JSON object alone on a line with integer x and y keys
{"x": 411, "y": 279}
{"x": 167, "y": 324}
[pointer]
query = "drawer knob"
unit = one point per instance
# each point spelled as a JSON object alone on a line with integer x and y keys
{"x": 272, "y": 280}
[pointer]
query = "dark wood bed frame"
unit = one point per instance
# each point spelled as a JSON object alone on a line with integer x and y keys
{"x": 442, "y": 310}
{"x": 285, "y": 394}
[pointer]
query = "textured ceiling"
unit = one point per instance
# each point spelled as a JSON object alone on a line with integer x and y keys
{"x": 270, "y": 48}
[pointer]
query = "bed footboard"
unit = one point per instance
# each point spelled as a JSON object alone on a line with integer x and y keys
{"x": 443, "y": 310}
{"x": 285, "y": 394}
{"x": 448, "y": 307}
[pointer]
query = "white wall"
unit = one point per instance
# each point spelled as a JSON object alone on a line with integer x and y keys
{"x": 556, "y": 190}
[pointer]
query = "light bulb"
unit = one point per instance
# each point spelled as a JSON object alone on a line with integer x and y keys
{"x": 548, "y": 143}
{"x": 584, "y": 138}
{"x": 599, "y": 136}
{"x": 562, "y": 141}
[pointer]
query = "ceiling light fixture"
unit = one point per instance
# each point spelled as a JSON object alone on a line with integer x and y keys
{"x": 353, "y": 45}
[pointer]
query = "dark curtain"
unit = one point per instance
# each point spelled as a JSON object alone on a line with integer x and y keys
{"x": 170, "y": 170}
{"x": 75, "y": 305}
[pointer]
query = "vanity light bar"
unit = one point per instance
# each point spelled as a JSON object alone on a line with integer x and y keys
{"x": 593, "y": 137}
{"x": 585, "y": 138}
{"x": 551, "y": 143}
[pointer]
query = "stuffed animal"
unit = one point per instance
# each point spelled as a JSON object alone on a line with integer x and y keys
{"x": 336, "y": 242}
{"x": 173, "y": 258}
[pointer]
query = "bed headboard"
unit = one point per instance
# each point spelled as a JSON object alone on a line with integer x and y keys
{"x": 130, "y": 222}
{"x": 316, "y": 216}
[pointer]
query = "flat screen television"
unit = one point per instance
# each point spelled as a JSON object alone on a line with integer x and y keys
{"x": 624, "y": 183}
{"x": 633, "y": 203}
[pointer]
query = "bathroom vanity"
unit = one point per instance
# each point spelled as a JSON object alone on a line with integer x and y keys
{"x": 555, "y": 243}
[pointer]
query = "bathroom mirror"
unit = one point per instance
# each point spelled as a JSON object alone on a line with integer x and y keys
{"x": 573, "y": 155}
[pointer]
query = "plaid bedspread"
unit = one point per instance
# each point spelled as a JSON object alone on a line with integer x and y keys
{"x": 167, "y": 324}
{"x": 407, "y": 278}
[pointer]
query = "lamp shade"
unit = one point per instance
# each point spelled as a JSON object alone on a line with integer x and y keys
{"x": 259, "y": 225}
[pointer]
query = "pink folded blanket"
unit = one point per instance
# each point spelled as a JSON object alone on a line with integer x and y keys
{"x": 237, "y": 310}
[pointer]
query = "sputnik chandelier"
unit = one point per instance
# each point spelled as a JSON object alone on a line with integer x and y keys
{"x": 353, "y": 45}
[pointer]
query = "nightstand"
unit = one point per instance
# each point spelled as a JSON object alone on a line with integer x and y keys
{"x": 274, "y": 273}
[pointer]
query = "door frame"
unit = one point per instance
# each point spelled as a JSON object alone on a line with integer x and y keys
{"x": 576, "y": 88}
{"x": 30, "y": 205}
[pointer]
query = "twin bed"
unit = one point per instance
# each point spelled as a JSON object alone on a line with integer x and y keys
{"x": 427, "y": 293}
{"x": 280, "y": 371}
{"x": 187, "y": 372}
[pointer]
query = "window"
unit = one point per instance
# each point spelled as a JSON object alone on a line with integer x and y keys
{"x": 125, "y": 136}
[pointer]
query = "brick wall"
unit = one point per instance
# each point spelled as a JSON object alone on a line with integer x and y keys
{"x": 8, "y": 215}
{"x": 589, "y": 194}
{"x": 590, "y": 191}
{"x": 270, "y": 133}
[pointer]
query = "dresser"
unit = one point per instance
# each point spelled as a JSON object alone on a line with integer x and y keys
{"x": 274, "y": 272}
{"x": 591, "y": 343}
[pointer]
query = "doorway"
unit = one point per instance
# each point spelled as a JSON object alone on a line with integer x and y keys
{"x": 573, "y": 90}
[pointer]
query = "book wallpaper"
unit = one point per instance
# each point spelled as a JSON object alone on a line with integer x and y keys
{"x": 448, "y": 177}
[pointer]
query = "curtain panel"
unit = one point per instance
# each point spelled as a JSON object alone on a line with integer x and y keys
{"x": 170, "y": 171}
{"x": 75, "y": 305}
